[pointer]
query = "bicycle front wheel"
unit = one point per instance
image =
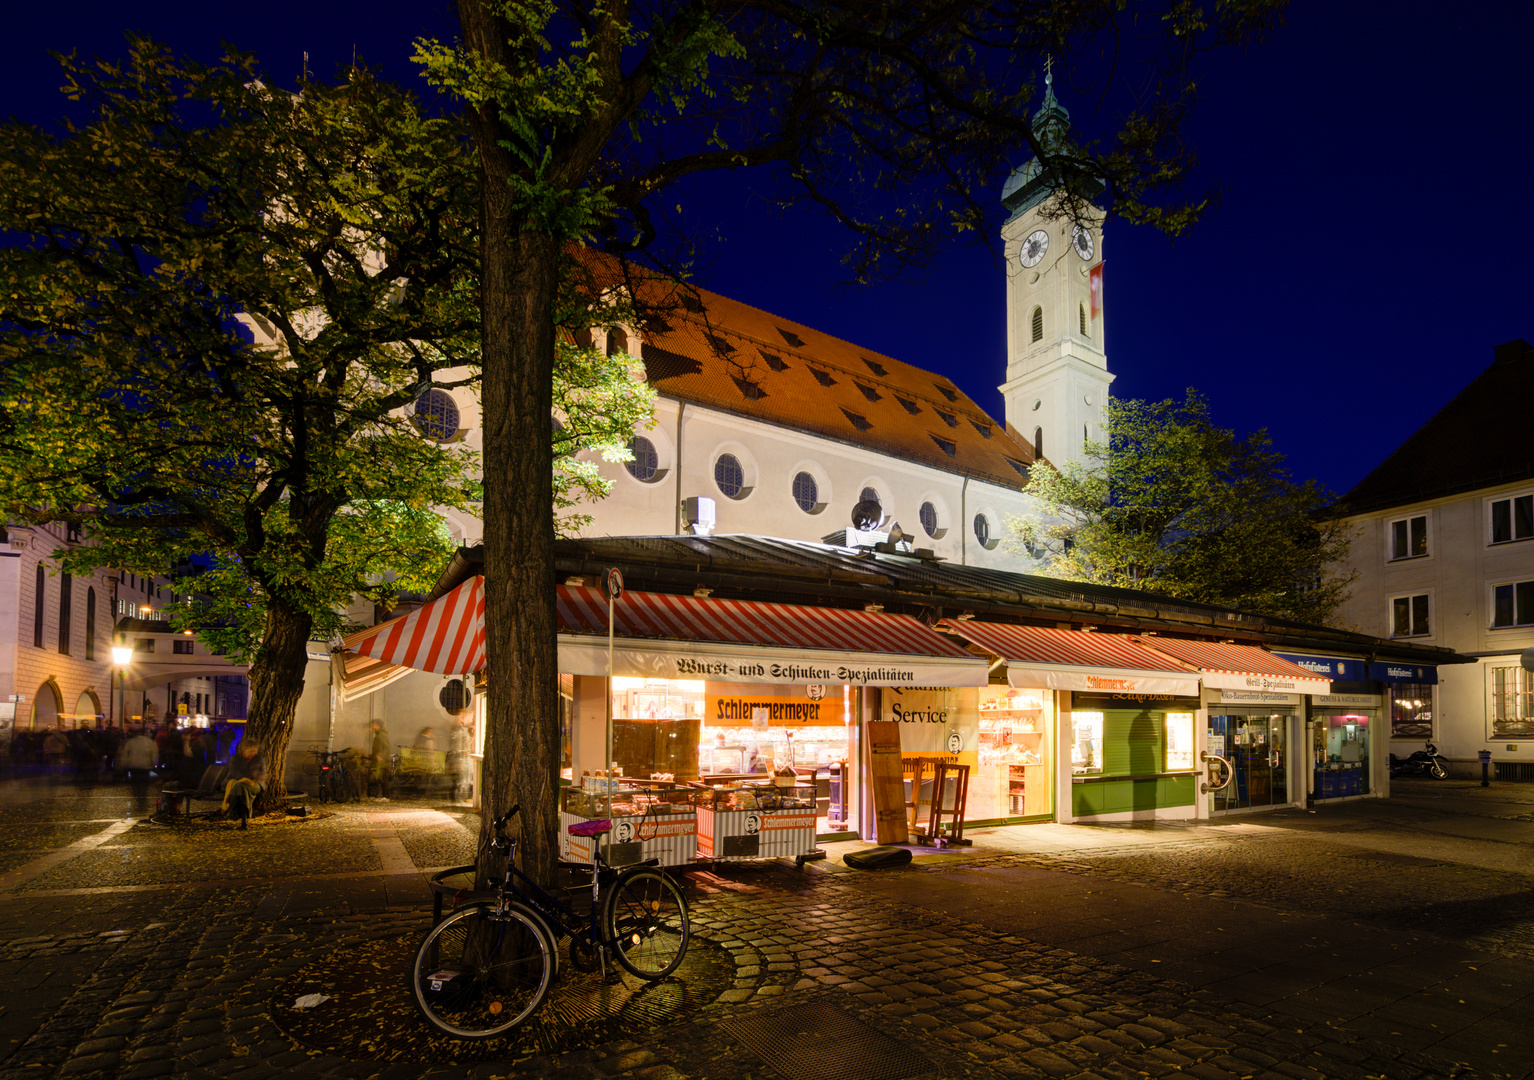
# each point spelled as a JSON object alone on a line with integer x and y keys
{"x": 645, "y": 917}
{"x": 481, "y": 972}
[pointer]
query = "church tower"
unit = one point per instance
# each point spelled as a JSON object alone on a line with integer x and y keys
{"x": 1057, "y": 366}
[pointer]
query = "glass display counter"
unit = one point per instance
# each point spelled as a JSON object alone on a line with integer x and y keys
{"x": 651, "y": 822}
{"x": 756, "y": 821}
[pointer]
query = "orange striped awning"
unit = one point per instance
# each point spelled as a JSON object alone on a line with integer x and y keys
{"x": 688, "y": 637}
{"x": 657, "y": 635}
{"x": 1043, "y": 657}
{"x": 1240, "y": 667}
{"x": 446, "y": 636}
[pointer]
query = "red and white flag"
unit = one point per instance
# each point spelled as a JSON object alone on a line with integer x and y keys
{"x": 1096, "y": 283}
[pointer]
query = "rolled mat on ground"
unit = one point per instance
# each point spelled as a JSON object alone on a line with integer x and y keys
{"x": 884, "y": 857}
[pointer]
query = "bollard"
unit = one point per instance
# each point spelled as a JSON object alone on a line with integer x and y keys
{"x": 1486, "y": 768}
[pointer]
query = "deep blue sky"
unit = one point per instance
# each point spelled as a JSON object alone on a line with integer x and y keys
{"x": 1373, "y": 245}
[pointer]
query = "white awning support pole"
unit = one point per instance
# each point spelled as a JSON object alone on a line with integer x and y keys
{"x": 607, "y": 762}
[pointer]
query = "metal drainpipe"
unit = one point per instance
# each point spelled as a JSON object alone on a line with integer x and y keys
{"x": 681, "y": 410}
{"x": 963, "y": 523}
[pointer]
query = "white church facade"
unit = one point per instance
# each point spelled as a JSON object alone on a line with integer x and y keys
{"x": 764, "y": 425}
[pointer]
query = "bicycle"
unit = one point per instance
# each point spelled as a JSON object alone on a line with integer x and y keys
{"x": 488, "y": 966}
{"x": 335, "y": 782}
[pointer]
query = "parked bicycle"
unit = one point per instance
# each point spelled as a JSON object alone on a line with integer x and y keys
{"x": 335, "y": 778}
{"x": 488, "y": 966}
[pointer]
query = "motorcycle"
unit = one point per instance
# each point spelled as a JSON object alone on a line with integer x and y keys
{"x": 1427, "y": 762}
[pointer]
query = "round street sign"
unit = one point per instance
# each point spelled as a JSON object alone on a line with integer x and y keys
{"x": 614, "y": 579}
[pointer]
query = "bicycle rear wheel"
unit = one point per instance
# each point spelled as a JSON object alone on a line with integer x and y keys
{"x": 479, "y": 972}
{"x": 645, "y": 916}
{"x": 322, "y": 792}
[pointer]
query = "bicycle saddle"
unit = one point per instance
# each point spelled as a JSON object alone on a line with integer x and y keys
{"x": 591, "y": 828}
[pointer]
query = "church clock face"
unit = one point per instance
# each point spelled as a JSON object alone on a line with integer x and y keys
{"x": 1081, "y": 240}
{"x": 1034, "y": 247}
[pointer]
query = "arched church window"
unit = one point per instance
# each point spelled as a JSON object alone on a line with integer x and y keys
{"x": 37, "y": 607}
{"x": 806, "y": 492}
{"x": 1081, "y": 310}
{"x": 1085, "y": 438}
{"x": 646, "y": 461}
{"x": 1038, "y": 324}
{"x": 66, "y": 606}
{"x": 1038, "y": 442}
{"x": 436, "y": 416}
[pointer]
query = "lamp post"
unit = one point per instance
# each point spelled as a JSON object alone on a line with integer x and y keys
{"x": 122, "y": 655}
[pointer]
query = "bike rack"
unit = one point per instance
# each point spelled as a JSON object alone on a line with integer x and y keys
{"x": 1230, "y": 773}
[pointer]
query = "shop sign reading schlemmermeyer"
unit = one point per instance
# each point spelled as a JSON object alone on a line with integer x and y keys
{"x": 683, "y": 660}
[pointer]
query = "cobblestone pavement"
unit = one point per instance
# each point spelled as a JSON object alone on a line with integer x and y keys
{"x": 978, "y": 960}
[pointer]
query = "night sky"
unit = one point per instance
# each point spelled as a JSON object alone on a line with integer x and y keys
{"x": 1373, "y": 245}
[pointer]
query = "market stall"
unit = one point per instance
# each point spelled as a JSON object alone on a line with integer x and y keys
{"x": 739, "y": 821}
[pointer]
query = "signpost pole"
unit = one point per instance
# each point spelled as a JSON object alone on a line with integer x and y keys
{"x": 614, "y": 583}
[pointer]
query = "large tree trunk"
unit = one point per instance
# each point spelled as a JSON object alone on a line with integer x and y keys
{"x": 276, "y": 684}
{"x": 518, "y": 279}
{"x": 522, "y": 751}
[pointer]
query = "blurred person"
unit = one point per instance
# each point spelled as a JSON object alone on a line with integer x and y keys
{"x": 247, "y": 779}
{"x": 377, "y": 760}
{"x": 137, "y": 757}
{"x": 427, "y": 739}
{"x": 460, "y": 767}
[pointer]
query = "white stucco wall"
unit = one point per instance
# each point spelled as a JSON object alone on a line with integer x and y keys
{"x": 1458, "y": 573}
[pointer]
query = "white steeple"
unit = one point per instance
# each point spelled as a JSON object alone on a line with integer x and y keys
{"x": 1056, "y": 391}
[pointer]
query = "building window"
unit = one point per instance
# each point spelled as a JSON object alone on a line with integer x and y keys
{"x": 1038, "y": 324}
{"x": 729, "y": 475}
{"x": 436, "y": 415}
{"x": 1512, "y": 604}
{"x": 1408, "y": 538}
{"x": 1409, "y": 616}
{"x": 807, "y": 493}
{"x": 1038, "y": 443}
{"x": 928, "y": 515}
{"x": 1512, "y": 702}
{"x": 66, "y": 602}
{"x": 947, "y": 446}
{"x": 1081, "y": 310}
{"x": 646, "y": 461}
{"x": 983, "y": 532}
{"x": 90, "y": 624}
{"x": 1179, "y": 741}
{"x": 144, "y": 645}
{"x": 618, "y": 341}
{"x": 1512, "y": 519}
{"x": 868, "y": 494}
{"x": 38, "y": 599}
{"x": 72, "y": 533}
{"x": 1411, "y": 711}
{"x": 182, "y": 646}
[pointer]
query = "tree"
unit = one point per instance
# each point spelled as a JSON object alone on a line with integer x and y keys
{"x": 898, "y": 119}
{"x": 1172, "y": 504}
{"x": 217, "y": 307}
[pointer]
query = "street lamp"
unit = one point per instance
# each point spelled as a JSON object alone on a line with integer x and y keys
{"x": 122, "y": 655}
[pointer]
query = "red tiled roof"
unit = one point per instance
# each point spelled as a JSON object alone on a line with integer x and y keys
{"x": 719, "y": 352}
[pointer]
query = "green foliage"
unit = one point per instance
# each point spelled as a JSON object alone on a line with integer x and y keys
{"x": 1172, "y": 504}
{"x": 598, "y": 401}
{"x": 218, "y": 306}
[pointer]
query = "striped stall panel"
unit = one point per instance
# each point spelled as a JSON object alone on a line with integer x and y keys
{"x": 1047, "y": 645}
{"x": 1230, "y": 659}
{"x": 446, "y": 636}
{"x": 671, "y": 838}
{"x": 583, "y": 610}
{"x": 781, "y": 833}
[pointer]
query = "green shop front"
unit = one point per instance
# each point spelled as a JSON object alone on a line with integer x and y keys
{"x": 1126, "y": 713}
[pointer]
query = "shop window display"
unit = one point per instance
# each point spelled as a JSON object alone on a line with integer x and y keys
{"x": 1012, "y": 772}
{"x": 732, "y": 734}
{"x": 1341, "y": 756}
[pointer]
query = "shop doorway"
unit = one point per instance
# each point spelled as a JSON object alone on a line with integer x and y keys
{"x": 1257, "y": 748}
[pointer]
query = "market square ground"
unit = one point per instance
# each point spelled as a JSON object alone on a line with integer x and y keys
{"x": 1375, "y": 938}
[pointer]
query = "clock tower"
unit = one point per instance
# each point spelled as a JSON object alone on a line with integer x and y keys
{"x": 1057, "y": 366}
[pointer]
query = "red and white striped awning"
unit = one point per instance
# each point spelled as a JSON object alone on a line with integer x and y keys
{"x": 688, "y": 637}
{"x": 1240, "y": 667}
{"x": 446, "y": 636}
{"x": 681, "y": 637}
{"x": 1046, "y": 658}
